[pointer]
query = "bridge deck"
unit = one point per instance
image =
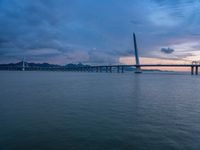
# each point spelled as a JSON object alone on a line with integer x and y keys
{"x": 100, "y": 68}
{"x": 152, "y": 65}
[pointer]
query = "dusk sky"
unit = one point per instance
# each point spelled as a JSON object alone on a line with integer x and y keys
{"x": 99, "y": 31}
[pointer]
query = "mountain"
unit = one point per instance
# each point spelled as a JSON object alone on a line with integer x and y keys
{"x": 20, "y": 64}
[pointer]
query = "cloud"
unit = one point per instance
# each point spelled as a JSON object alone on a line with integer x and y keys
{"x": 53, "y": 30}
{"x": 167, "y": 50}
{"x": 100, "y": 57}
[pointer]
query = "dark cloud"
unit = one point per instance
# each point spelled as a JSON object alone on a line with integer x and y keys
{"x": 32, "y": 28}
{"x": 167, "y": 50}
{"x": 98, "y": 57}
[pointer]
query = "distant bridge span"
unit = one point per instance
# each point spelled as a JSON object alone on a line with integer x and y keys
{"x": 120, "y": 68}
{"x": 103, "y": 68}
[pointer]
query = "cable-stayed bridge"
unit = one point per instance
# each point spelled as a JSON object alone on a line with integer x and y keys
{"x": 106, "y": 68}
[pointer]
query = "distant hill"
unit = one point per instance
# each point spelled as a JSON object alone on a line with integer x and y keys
{"x": 19, "y": 64}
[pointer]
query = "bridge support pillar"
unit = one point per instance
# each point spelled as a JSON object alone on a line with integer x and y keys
{"x": 192, "y": 70}
{"x": 196, "y": 71}
{"x": 110, "y": 68}
{"x": 106, "y": 68}
{"x": 97, "y": 69}
{"x": 122, "y": 69}
{"x": 117, "y": 69}
{"x": 100, "y": 69}
{"x": 138, "y": 69}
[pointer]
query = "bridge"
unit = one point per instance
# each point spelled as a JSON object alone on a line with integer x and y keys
{"x": 108, "y": 68}
{"x": 104, "y": 68}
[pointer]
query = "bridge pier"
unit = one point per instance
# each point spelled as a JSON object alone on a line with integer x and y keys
{"x": 192, "y": 70}
{"x": 118, "y": 69}
{"x": 91, "y": 69}
{"x": 110, "y": 69}
{"x": 138, "y": 69}
{"x": 97, "y": 69}
{"x": 196, "y": 71}
{"x": 106, "y": 68}
{"x": 100, "y": 68}
{"x": 122, "y": 69}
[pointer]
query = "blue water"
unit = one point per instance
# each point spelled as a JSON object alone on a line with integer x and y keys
{"x": 99, "y": 111}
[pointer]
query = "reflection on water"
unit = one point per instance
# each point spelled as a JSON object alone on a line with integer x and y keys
{"x": 60, "y": 110}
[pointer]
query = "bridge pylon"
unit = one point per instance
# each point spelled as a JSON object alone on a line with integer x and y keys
{"x": 137, "y": 61}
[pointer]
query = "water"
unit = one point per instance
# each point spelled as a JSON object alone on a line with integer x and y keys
{"x": 99, "y": 111}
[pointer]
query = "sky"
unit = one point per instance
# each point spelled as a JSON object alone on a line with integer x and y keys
{"x": 99, "y": 31}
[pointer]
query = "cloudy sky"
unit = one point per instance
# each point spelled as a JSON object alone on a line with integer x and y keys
{"x": 99, "y": 31}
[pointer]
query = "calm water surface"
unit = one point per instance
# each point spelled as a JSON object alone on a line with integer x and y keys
{"x": 99, "y": 111}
